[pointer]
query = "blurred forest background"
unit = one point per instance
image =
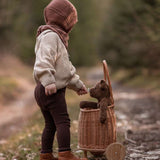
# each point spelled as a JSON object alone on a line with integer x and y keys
{"x": 126, "y": 33}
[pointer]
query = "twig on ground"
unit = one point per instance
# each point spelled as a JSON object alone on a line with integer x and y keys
{"x": 129, "y": 140}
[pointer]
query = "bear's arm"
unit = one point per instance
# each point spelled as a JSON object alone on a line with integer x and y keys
{"x": 103, "y": 106}
{"x": 87, "y": 104}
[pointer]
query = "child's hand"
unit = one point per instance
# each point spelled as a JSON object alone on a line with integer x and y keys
{"x": 50, "y": 89}
{"x": 82, "y": 91}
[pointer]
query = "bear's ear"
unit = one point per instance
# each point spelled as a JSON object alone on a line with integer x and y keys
{"x": 102, "y": 81}
{"x": 103, "y": 85}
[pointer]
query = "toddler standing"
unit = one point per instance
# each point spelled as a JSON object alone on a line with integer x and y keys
{"x": 53, "y": 72}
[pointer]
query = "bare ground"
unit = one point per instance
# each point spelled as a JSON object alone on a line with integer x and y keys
{"x": 138, "y": 116}
{"x": 16, "y": 111}
{"x": 15, "y": 115}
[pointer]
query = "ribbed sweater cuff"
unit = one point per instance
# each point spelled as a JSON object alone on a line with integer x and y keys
{"x": 79, "y": 84}
{"x": 47, "y": 80}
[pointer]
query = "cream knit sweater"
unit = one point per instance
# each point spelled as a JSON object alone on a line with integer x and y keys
{"x": 52, "y": 64}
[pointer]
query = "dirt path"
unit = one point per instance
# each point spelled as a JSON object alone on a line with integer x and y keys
{"x": 15, "y": 115}
{"x": 138, "y": 119}
{"x": 16, "y": 112}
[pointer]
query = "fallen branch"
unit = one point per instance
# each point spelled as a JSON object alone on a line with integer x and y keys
{"x": 129, "y": 140}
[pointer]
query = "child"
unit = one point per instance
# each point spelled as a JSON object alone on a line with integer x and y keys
{"x": 53, "y": 72}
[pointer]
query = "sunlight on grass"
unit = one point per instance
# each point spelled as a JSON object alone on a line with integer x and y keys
{"x": 25, "y": 143}
{"x": 8, "y": 88}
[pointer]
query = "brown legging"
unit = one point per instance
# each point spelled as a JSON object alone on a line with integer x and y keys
{"x": 54, "y": 110}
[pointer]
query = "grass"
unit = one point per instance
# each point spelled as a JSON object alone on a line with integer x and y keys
{"x": 8, "y": 89}
{"x": 139, "y": 79}
{"x": 13, "y": 80}
{"x": 26, "y": 144}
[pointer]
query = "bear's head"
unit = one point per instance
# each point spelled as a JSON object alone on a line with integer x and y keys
{"x": 100, "y": 91}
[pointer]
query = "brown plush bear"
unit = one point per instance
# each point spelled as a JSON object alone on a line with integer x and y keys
{"x": 102, "y": 94}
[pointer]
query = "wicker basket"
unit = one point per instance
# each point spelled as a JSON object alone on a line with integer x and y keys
{"x": 94, "y": 136}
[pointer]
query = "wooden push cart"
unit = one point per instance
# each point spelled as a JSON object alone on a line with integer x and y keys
{"x": 96, "y": 137}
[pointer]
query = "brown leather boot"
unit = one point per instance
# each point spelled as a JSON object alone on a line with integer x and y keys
{"x": 68, "y": 155}
{"x": 47, "y": 156}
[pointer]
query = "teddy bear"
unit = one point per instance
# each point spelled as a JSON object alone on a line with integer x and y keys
{"x": 102, "y": 94}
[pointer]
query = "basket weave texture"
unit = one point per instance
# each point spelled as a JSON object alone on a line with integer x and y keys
{"x": 92, "y": 135}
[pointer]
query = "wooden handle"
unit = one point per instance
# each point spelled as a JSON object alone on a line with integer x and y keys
{"x": 106, "y": 78}
{"x": 105, "y": 70}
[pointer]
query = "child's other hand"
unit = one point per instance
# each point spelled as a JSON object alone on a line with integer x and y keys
{"x": 50, "y": 89}
{"x": 82, "y": 91}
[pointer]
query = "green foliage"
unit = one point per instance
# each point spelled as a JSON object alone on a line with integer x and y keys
{"x": 82, "y": 46}
{"x": 84, "y": 37}
{"x": 20, "y": 20}
{"x": 126, "y": 33}
{"x": 132, "y": 34}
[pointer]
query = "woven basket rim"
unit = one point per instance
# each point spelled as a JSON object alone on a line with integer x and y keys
{"x": 94, "y": 110}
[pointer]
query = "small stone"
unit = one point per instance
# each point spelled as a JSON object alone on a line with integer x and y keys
{"x": 135, "y": 155}
{"x": 129, "y": 131}
{"x": 154, "y": 152}
{"x": 152, "y": 158}
{"x": 79, "y": 151}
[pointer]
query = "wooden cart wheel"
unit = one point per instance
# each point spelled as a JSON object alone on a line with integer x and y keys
{"x": 115, "y": 151}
